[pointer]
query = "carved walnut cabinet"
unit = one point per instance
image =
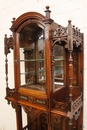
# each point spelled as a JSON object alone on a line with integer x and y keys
{"x": 48, "y": 73}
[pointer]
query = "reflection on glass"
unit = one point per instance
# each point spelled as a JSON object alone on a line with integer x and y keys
{"x": 59, "y": 67}
{"x": 32, "y": 58}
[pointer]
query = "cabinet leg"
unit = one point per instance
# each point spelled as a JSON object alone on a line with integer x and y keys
{"x": 19, "y": 117}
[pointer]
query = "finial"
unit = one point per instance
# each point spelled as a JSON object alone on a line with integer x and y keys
{"x": 47, "y": 11}
{"x": 5, "y": 35}
{"x": 13, "y": 20}
{"x": 69, "y": 21}
{"x": 47, "y": 7}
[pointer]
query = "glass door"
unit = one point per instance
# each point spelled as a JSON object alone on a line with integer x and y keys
{"x": 59, "y": 67}
{"x": 32, "y": 58}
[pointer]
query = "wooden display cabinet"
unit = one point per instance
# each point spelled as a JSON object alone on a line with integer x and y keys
{"x": 48, "y": 73}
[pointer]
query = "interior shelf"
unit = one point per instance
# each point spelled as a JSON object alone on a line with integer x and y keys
{"x": 31, "y": 60}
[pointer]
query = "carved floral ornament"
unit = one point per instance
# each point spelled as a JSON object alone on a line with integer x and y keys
{"x": 58, "y": 119}
{"x": 60, "y": 31}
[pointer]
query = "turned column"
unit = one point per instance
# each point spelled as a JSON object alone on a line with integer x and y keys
{"x": 70, "y": 48}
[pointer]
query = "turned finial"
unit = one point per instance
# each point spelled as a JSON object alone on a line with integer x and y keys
{"x": 69, "y": 21}
{"x": 47, "y": 7}
{"x": 13, "y": 20}
{"x": 47, "y": 11}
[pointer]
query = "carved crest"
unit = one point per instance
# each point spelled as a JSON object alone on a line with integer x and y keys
{"x": 60, "y": 31}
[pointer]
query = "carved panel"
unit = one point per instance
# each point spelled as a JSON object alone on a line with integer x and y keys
{"x": 75, "y": 67}
{"x": 32, "y": 112}
{"x": 44, "y": 120}
{"x": 60, "y": 106}
{"x": 52, "y": 63}
{"x": 35, "y": 117}
{"x": 60, "y": 31}
{"x": 57, "y": 122}
{"x": 33, "y": 125}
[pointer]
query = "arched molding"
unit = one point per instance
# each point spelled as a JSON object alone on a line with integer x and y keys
{"x": 26, "y": 17}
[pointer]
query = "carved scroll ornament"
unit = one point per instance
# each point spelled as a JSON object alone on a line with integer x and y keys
{"x": 8, "y": 44}
{"x": 32, "y": 112}
{"x": 61, "y": 106}
{"x": 10, "y": 93}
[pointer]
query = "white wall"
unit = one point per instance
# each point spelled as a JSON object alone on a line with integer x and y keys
{"x": 62, "y": 11}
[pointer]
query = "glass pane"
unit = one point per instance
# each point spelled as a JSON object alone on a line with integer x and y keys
{"x": 59, "y": 67}
{"x": 32, "y": 58}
